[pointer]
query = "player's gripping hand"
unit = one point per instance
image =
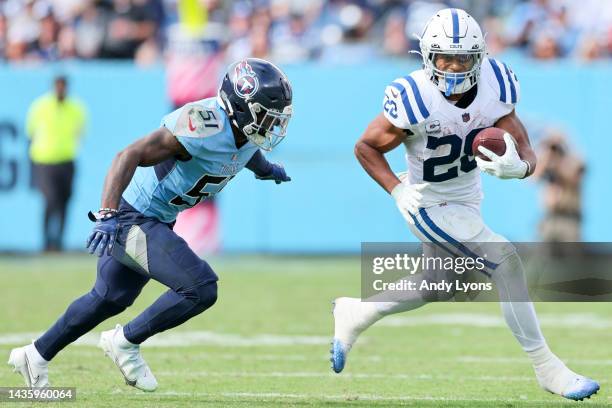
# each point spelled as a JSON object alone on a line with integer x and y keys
{"x": 104, "y": 233}
{"x": 408, "y": 199}
{"x": 277, "y": 173}
{"x": 508, "y": 166}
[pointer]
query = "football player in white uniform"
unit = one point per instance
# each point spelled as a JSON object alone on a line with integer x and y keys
{"x": 436, "y": 112}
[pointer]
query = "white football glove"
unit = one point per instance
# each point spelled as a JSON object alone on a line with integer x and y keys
{"x": 507, "y": 166}
{"x": 408, "y": 199}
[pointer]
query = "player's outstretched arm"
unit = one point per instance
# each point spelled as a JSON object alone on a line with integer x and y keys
{"x": 158, "y": 146}
{"x": 513, "y": 125}
{"x": 379, "y": 138}
{"x": 264, "y": 170}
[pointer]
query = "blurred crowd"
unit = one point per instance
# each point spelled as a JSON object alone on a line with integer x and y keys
{"x": 288, "y": 31}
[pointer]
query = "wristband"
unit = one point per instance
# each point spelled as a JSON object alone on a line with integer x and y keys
{"x": 528, "y": 169}
{"x": 107, "y": 213}
{"x": 108, "y": 210}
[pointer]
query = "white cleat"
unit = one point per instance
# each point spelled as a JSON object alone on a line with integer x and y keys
{"x": 351, "y": 318}
{"x": 556, "y": 378}
{"x": 27, "y": 362}
{"x": 127, "y": 357}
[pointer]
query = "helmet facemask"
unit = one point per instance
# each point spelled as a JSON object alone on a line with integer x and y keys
{"x": 269, "y": 126}
{"x": 454, "y": 82}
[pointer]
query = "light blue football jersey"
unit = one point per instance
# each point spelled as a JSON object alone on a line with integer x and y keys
{"x": 203, "y": 128}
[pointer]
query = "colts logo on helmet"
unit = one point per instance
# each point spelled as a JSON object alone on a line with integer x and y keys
{"x": 246, "y": 83}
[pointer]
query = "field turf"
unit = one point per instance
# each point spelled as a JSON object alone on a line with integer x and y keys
{"x": 266, "y": 341}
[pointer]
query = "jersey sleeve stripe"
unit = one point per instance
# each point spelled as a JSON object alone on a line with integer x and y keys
{"x": 417, "y": 96}
{"x": 500, "y": 80}
{"x": 406, "y": 102}
{"x": 455, "y": 17}
{"x": 512, "y": 87}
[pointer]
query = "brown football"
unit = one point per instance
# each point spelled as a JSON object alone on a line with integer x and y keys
{"x": 493, "y": 139}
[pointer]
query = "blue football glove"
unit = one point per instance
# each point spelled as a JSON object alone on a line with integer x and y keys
{"x": 278, "y": 174}
{"x": 104, "y": 233}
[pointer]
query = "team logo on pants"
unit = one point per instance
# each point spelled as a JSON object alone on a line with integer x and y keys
{"x": 246, "y": 83}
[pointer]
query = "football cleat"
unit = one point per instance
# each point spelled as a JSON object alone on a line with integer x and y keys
{"x": 351, "y": 318}
{"x": 581, "y": 388}
{"x": 24, "y": 362}
{"x": 127, "y": 358}
{"x": 562, "y": 381}
{"x": 338, "y": 351}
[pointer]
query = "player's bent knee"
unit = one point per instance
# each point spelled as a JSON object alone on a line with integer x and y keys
{"x": 203, "y": 288}
{"x": 204, "y": 295}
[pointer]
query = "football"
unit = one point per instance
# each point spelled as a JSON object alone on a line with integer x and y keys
{"x": 493, "y": 139}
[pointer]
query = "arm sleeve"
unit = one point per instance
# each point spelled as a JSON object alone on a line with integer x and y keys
{"x": 259, "y": 165}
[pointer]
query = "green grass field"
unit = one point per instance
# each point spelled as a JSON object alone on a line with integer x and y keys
{"x": 266, "y": 341}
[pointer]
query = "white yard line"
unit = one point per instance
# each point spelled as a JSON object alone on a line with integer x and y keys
{"x": 190, "y": 338}
{"x": 582, "y": 321}
{"x": 352, "y": 376}
{"x": 235, "y": 357}
{"x": 318, "y": 374}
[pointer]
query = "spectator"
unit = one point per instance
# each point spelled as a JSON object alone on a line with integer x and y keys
{"x": 3, "y": 34}
{"x": 130, "y": 24}
{"x": 347, "y": 41}
{"x": 293, "y": 30}
{"x": 23, "y": 30}
{"x": 89, "y": 31}
{"x": 55, "y": 123}
{"x": 290, "y": 42}
{"x": 545, "y": 46}
{"x": 562, "y": 174}
{"x": 46, "y": 46}
{"x": 395, "y": 42}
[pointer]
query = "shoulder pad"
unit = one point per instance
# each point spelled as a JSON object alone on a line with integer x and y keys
{"x": 194, "y": 120}
{"x": 407, "y": 101}
{"x": 502, "y": 80}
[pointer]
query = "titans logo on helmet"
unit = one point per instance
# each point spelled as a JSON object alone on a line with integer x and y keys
{"x": 246, "y": 83}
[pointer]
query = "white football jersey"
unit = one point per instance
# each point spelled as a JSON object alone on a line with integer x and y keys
{"x": 439, "y": 141}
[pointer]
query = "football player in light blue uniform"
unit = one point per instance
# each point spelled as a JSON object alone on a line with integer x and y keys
{"x": 196, "y": 151}
{"x": 205, "y": 132}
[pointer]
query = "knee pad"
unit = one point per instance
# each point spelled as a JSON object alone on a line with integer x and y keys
{"x": 204, "y": 295}
{"x": 203, "y": 287}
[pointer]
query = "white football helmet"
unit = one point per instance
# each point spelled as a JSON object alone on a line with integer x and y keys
{"x": 455, "y": 33}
